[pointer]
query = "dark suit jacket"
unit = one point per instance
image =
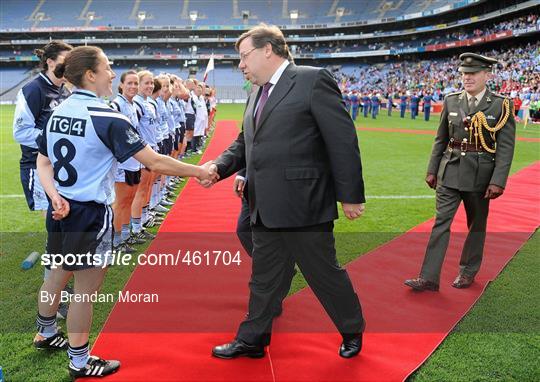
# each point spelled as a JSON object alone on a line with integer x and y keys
{"x": 303, "y": 156}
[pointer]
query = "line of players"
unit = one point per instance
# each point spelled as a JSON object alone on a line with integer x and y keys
{"x": 371, "y": 103}
{"x": 172, "y": 115}
{"x": 89, "y": 156}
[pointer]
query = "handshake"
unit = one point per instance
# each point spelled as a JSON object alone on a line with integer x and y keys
{"x": 208, "y": 175}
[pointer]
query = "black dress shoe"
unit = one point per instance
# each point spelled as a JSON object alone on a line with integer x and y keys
{"x": 238, "y": 348}
{"x": 351, "y": 346}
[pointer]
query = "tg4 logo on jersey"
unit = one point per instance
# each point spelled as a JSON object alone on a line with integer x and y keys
{"x": 68, "y": 126}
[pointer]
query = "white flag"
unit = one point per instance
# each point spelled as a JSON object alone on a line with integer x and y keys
{"x": 209, "y": 67}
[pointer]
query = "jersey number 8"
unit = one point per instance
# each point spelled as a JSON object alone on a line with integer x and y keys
{"x": 64, "y": 162}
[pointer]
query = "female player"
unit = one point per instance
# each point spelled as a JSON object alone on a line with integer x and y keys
{"x": 128, "y": 174}
{"x": 77, "y": 151}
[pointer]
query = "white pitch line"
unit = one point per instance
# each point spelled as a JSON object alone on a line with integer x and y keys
{"x": 400, "y": 196}
{"x": 12, "y": 196}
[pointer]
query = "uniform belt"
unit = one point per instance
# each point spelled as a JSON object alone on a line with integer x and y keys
{"x": 465, "y": 146}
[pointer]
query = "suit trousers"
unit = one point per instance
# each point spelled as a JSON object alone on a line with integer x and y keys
{"x": 243, "y": 231}
{"x": 476, "y": 208}
{"x": 313, "y": 250}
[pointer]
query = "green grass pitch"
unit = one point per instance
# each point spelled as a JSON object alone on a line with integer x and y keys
{"x": 499, "y": 340}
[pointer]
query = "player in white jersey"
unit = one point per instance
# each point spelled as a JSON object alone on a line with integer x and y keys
{"x": 201, "y": 119}
{"x": 78, "y": 150}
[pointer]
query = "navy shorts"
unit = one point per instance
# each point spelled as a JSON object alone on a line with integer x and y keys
{"x": 190, "y": 122}
{"x": 35, "y": 195}
{"x": 176, "y": 139}
{"x": 131, "y": 178}
{"x": 88, "y": 229}
{"x": 170, "y": 144}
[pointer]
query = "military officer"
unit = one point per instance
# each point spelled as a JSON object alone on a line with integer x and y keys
{"x": 470, "y": 162}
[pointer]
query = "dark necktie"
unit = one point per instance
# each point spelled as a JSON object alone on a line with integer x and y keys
{"x": 262, "y": 102}
{"x": 472, "y": 104}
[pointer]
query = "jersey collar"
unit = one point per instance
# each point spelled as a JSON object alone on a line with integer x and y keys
{"x": 87, "y": 93}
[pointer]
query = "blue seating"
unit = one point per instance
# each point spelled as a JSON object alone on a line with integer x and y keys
{"x": 69, "y": 13}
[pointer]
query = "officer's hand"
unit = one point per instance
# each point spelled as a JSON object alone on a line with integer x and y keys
{"x": 353, "y": 211}
{"x": 493, "y": 192}
{"x": 238, "y": 187}
{"x": 431, "y": 180}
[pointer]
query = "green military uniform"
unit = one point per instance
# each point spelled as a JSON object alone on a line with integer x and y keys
{"x": 473, "y": 149}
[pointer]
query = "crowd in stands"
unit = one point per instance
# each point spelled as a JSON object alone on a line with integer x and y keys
{"x": 517, "y": 75}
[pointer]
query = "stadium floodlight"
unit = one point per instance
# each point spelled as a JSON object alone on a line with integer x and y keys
{"x": 91, "y": 17}
{"x": 141, "y": 16}
{"x": 193, "y": 15}
{"x": 340, "y": 12}
{"x": 294, "y": 14}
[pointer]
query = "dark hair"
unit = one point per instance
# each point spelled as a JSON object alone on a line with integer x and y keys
{"x": 157, "y": 85}
{"x": 123, "y": 78}
{"x": 263, "y": 34}
{"x": 52, "y": 50}
{"x": 77, "y": 62}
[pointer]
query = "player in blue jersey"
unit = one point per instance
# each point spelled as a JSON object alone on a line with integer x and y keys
{"x": 178, "y": 115}
{"x": 415, "y": 100}
{"x": 147, "y": 126}
{"x": 355, "y": 104}
{"x": 375, "y": 103}
{"x": 366, "y": 104}
{"x": 78, "y": 151}
{"x": 190, "y": 114}
{"x": 128, "y": 173}
{"x": 403, "y": 104}
{"x": 428, "y": 98}
{"x": 35, "y": 102}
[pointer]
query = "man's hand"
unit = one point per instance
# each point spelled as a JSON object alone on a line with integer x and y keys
{"x": 353, "y": 211}
{"x": 238, "y": 187}
{"x": 60, "y": 207}
{"x": 431, "y": 180}
{"x": 209, "y": 175}
{"x": 493, "y": 192}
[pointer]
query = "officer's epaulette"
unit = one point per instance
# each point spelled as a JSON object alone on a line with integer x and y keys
{"x": 499, "y": 95}
{"x": 454, "y": 93}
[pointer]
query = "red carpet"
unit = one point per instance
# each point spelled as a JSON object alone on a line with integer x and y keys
{"x": 201, "y": 305}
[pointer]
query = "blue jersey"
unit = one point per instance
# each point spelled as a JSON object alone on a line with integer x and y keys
{"x": 427, "y": 101}
{"x": 375, "y": 101}
{"x": 170, "y": 117}
{"x": 346, "y": 99}
{"x": 355, "y": 101}
{"x": 35, "y": 102}
{"x": 414, "y": 101}
{"x": 84, "y": 139}
{"x": 178, "y": 111}
{"x": 163, "y": 127}
{"x": 403, "y": 100}
{"x": 366, "y": 100}
{"x": 122, "y": 105}
{"x": 147, "y": 119}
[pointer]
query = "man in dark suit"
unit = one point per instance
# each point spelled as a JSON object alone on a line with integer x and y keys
{"x": 243, "y": 231}
{"x": 300, "y": 151}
